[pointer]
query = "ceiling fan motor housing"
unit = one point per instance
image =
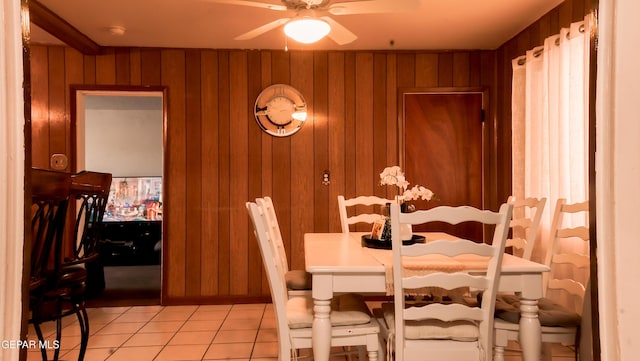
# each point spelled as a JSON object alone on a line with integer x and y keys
{"x": 302, "y": 4}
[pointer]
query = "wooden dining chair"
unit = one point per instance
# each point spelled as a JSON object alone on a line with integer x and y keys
{"x": 352, "y": 324}
{"x": 349, "y": 207}
{"x": 560, "y": 323}
{"x": 55, "y": 291}
{"x": 90, "y": 192}
{"x": 430, "y": 330}
{"x": 525, "y": 223}
{"x": 298, "y": 281}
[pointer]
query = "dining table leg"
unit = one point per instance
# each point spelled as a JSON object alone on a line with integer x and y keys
{"x": 322, "y": 294}
{"x": 530, "y": 336}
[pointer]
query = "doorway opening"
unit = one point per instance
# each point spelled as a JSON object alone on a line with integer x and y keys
{"x": 120, "y": 131}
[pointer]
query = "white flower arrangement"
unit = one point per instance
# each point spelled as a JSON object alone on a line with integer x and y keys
{"x": 395, "y": 176}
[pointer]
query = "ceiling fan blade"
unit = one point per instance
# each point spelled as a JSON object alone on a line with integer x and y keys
{"x": 339, "y": 33}
{"x": 373, "y": 7}
{"x": 252, "y": 3}
{"x": 262, "y": 29}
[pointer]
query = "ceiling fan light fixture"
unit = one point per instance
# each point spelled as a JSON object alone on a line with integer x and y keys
{"x": 307, "y": 30}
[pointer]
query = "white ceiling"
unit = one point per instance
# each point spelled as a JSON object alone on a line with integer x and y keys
{"x": 437, "y": 24}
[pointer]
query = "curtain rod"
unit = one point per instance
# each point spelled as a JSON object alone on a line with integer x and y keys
{"x": 538, "y": 52}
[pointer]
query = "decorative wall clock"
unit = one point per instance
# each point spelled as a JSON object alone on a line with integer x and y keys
{"x": 280, "y": 110}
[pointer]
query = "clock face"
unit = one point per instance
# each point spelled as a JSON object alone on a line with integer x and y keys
{"x": 280, "y": 110}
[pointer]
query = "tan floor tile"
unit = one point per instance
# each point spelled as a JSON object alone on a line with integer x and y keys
{"x": 103, "y": 317}
{"x": 146, "y": 353}
{"x": 154, "y": 308}
{"x": 267, "y": 335}
{"x": 170, "y": 315}
{"x": 183, "y": 308}
{"x": 149, "y": 339}
{"x": 220, "y": 351}
{"x": 135, "y": 317}
{"x": 181, "y": 353}
{"x": 212, "y": 325}
{"x": 265, "y": 349}
{"x": 231, "y": 336}
{"x": 241, "y": 324}
{"x": 101, "y": 341}
{"x": 207, "y": 308}
{"x": 193, "y": 338}
{"x": 74, "y": 330}
{"x": 92, "y": 354}
{"x": 121, "y": 327}
{"x": 268, "y": 323}
{"x": 245, "y": 313}
{"x": 161, "y": 326}
{"x": 209, "y": 315}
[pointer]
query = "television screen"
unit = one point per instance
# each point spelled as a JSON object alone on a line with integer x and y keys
{"x": 134, "y": 199}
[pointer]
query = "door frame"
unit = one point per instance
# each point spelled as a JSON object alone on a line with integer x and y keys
{"x": 489, "y": 144}
{"x": 75, "y": 91}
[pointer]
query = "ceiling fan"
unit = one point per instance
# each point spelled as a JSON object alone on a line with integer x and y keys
{"x": 317, "y": 13}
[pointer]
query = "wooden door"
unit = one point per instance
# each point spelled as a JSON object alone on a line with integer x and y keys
{"x": 443, "y": 152}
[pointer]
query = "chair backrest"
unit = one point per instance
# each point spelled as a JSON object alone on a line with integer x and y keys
{"x": 90, "y": 190}
{"x": 275, "y": 275}
{"x": 271, "y": 222}
{"x": 355, "y": 203}
{"x": 567, "y": 263}
{"x": 480, "y": 314}
{"x": 527, "y": 213}
{"x": 50, "y": 200}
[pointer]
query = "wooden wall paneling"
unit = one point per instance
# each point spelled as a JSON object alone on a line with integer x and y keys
{"x": 407, "y": 66}
{"x": 40, "y": 106}
{"x": 488, "y": 80}
{"x": 224, "y": 155}
{"x": 175, "y": 218}
{"x": 209, "y": 163}
{"x": 350, "y": 145}
{"x": 304, "y": 158}
{"x": 445, "y": 70}
{"x": 266, "y": 151}
{"x": 193, "y": 196}
{"x": 150, "y": 72}
{"x": 336, "y": 134}
{"x": 391, "y": 112}
{"x": 281, "y": 152}
{"x": 475, "y": 69}
{"x": 364, "y": 139}
{"x": 89, "y": 69}
{"x": 406, "y": 76}
{"x": 317, "y": 92}
{"x": 239, "y": 124}
{"x": 135, "y": 71}
{"x": 106, "y": 67}
{"x": 379, "y": 116}
{"x": 426, "y": 70}
{"x": 461, "y": 70}
{"x": 123, "y": 66}
{"x": 254, "y": 86}
{"x": 58, "y": 118}
{"x": 73, "y": 75}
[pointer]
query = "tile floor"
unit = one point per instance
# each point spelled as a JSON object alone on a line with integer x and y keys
{"x": 162, "y": 333}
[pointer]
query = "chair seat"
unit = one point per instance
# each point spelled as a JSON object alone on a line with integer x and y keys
{"x": 431, "y": 329}
{"x": 348, "y": 309}
{"x": 549, "y": 313}
{"x": 299, "y": 280}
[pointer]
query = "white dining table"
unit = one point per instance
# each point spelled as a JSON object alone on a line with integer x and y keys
{"x": 339, "y": 264}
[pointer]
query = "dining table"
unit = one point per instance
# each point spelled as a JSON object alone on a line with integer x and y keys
{"x": 339, "y": 263}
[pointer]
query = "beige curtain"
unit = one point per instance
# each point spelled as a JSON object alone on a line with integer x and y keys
{"x": 11, "y": 177}
{"x": 550, "y": 123}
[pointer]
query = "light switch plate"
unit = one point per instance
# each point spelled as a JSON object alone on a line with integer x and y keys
{"x": 59, "y": 161}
